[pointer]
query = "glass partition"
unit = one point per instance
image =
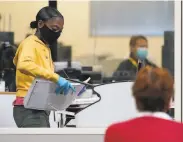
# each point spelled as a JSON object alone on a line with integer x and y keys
{"x": 99, "y": 39}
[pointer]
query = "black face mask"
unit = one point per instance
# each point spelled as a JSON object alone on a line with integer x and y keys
{"x": 48, "y": 35}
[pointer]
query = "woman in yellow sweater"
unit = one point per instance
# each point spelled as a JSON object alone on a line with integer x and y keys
{"x": 33, "y": 59}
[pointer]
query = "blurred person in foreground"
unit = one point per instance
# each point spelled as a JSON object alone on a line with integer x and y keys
{"x": 33, "y": 59}
{"x": 152, "y": 90}
{"x": 137, "y": 58}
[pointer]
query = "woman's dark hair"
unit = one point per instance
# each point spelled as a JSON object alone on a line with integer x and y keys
{"x": 45, "y": 14}
{"x": 134, "y": 39}
{"x": 153, "y": 89}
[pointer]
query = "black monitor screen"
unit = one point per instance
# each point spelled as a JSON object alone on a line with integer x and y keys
{"x": 64, "y": 53}
{"x": 7, "y": 37}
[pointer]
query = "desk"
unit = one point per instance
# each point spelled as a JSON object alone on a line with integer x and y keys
{"x": 7, "y": 93}
{"x": 116, "y": 105}
{"x": 49, "y": 135}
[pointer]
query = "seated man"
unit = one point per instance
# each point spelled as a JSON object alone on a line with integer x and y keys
{"x": 152, "y": 90}
{"x": 137, "y": 59}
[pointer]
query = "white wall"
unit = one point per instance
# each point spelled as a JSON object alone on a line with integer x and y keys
{"x": 178, "y": 64}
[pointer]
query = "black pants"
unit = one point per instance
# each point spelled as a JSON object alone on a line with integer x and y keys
{"x": 29, "y": 118}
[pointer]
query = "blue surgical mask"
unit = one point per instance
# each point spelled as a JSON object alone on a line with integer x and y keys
{"x": 142, "y": 53}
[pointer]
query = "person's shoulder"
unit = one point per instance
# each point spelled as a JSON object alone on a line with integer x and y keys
{"x": 173, "y": 126}
{"x": 113, "y": 128}
{"x": 143, "y": 121}
{"x": 176, "y": 124}
{"x": 114, "y": 131}
{"x": 150, "y": 63}
{"x": 125, "y": 68}
{"x": 166, "y": 123}
{"x": 180, "y": 125}
{"x": 126, "y": 61}
{"x": 121, "y": 125}
{"x": 28, "y": 42}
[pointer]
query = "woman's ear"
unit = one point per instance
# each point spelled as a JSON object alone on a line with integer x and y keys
{"x": 40, "y": 24}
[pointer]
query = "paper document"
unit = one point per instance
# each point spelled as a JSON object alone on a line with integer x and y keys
{"x": 85, "y": 101}
{"x": 42, "y": 96}
{"x": 2, "y": 86}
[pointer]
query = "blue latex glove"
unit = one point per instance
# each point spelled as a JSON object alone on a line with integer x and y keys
{"x": 63, "y": 86}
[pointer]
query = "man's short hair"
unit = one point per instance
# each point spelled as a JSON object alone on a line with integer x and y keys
{"x": 153, "y": 89}
{"x": 134, "y": 39}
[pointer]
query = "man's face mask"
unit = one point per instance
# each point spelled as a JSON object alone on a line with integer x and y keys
{"x": 48, "y": 35}
{"x": 142, "y": 53}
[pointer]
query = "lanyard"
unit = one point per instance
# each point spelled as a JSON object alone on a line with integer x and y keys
{"x": 133, "y": 62}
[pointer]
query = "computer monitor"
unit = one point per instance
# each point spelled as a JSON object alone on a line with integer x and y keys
{"x": 168, "y": 51}
{"x": 7, "y": 37}
{"x": 64, "y": 53}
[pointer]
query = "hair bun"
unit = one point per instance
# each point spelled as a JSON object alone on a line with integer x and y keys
{"x": 33, "y": 24}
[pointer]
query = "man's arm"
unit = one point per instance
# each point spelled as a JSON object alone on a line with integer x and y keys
{"x": 122, "y": 66}
{"x": 125, "y": 70}
{"x": 26, "y": 64}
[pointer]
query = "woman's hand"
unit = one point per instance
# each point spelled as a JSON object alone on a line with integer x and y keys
{"x": 64, "y": 86}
